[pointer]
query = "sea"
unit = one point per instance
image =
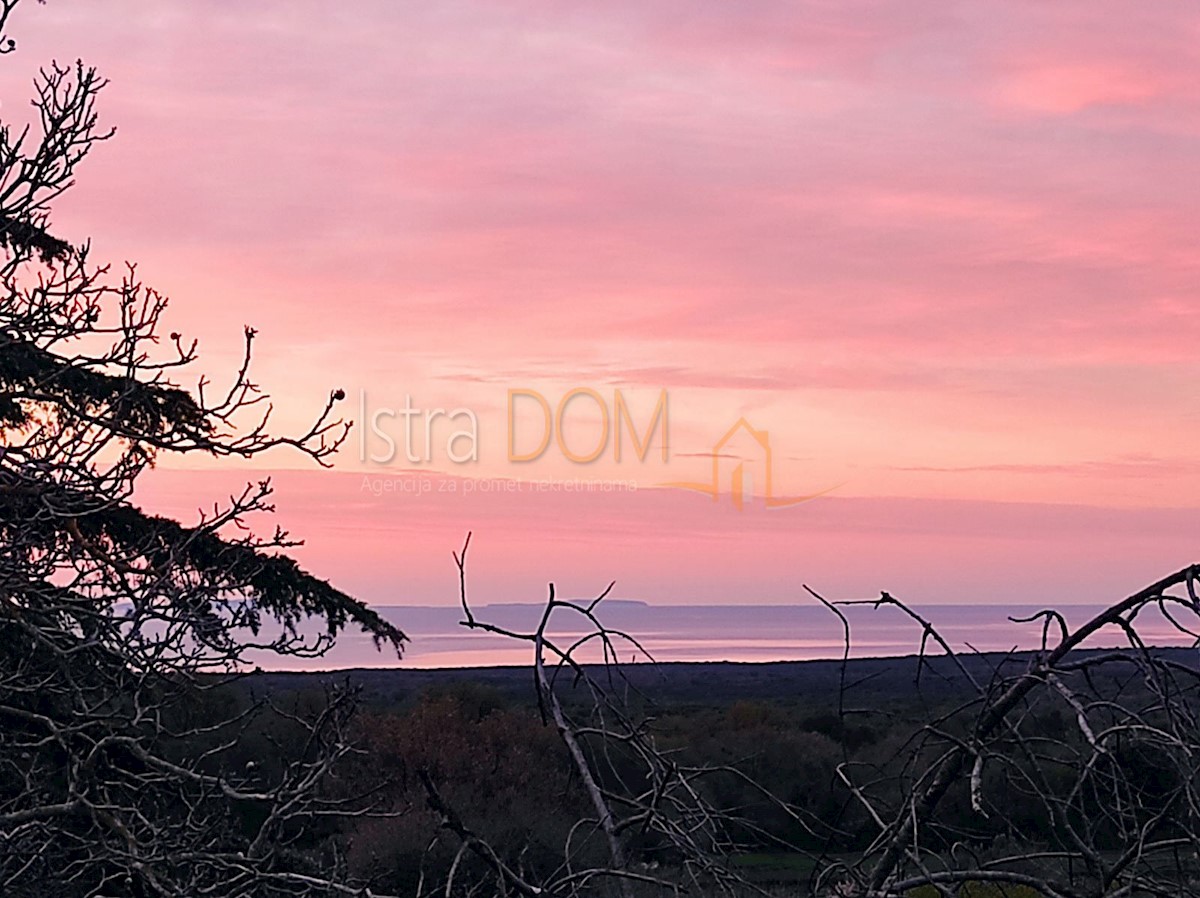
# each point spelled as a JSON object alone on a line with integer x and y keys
{"x": 439, "y": 637}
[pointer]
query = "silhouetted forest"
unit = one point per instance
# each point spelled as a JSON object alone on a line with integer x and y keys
{"x": 478, "y": 734}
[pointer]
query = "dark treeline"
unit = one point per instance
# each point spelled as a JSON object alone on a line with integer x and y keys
{"x": 478, "y": 735}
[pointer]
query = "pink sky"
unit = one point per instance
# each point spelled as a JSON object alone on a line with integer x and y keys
{"x": 944, "y": 253}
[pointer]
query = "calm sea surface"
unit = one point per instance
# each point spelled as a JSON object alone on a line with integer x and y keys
{"x": 713, "y": 633}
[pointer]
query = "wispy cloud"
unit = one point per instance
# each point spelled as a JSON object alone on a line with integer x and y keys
{"x": 939, "y": 251}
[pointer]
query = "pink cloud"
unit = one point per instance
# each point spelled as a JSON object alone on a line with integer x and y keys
{"x": 1064, "y": 89}
{"x": 674, "y": 547}
{"x": 945, "y": 254}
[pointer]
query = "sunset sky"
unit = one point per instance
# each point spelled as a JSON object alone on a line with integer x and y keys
{"x": 945, "y": 254}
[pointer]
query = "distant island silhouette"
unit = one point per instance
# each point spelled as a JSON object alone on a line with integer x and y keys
{"x": 607, "y": 604}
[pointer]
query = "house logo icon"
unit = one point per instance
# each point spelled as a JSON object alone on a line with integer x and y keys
{"x": 740, "y": 459}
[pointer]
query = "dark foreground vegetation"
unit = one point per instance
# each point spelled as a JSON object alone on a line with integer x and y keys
{"x": 479, "y": 736}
